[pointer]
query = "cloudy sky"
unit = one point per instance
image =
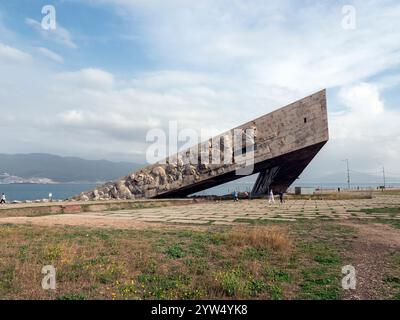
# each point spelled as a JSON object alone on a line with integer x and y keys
{"x": 114, "y": 69}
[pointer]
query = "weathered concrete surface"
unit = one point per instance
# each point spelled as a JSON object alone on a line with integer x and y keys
{"x": 282, "y": 142}
{"x": 66, "y": 207}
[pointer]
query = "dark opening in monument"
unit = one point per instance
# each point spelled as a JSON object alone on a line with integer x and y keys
{"x": 221, "y": 149}
{"x": 248, "y": 145}
{"x": 305, "y": 120}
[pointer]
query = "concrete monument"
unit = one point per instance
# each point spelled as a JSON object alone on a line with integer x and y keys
{"x": 278, "y": 146}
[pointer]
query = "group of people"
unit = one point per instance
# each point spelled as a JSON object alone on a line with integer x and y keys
{"x": 235, "y": 195}
{"x": 3, "y": 199}
{"x": 271, "y": 198}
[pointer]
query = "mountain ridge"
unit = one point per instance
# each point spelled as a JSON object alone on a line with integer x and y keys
{"x": 62, "y": 169}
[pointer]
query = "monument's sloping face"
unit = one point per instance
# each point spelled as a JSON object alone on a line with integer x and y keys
{"x": 278, "y": 145}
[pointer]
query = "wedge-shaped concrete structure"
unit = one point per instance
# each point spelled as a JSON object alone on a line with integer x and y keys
{"x": 278, "y": 146}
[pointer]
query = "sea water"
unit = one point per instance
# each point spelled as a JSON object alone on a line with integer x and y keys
{"x": 60, "y": 191}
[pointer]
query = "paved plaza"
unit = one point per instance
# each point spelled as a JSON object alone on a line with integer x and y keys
{"x": 229, "y": 212}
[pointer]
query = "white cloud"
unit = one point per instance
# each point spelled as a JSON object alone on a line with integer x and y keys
{"x": 300, "y": 47}
{"x": 366, "y": 118}
{"x": 367, "y": 131}
{"x": 128, "y": 110}
{"x": 388, "y": 82}
{"x": 60, "y": 35}
{"x": 50, "y": 54}
{"x": 363, "y": 98}
{"x": 8, "y": 53}
{"x": 111, "y": 123}
{"x": 88, "y": 78}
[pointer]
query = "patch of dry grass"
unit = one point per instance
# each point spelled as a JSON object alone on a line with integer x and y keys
{"x": 261, "y": 237}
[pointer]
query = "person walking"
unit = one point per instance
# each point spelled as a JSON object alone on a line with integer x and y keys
{"x": 3, "y": 198}
{"x": 281, "y": 197}
{"x": 271, "y": 197}
{"x": 235, "y": 196}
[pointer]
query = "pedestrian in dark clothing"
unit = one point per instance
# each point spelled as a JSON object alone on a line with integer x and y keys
{"x": 281, "y": 197}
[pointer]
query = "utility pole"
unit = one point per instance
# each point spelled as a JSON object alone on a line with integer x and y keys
{"x": 384, "y": 177}
{"x": 348, "y": 173}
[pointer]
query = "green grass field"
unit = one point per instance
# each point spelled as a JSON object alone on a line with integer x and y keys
{"x": 300, "y": 260}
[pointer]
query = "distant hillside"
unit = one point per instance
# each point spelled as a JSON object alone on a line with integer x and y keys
{"x": 63, "y": 169}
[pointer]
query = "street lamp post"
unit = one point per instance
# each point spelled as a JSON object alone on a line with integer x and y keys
{"x": 348, "y": 173}
{"x": 384, "y": 177}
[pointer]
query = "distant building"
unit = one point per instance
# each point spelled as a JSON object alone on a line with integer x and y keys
{"x": 304, "y": 191}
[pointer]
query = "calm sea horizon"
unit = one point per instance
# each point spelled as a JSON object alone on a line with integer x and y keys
{"x": 31, "y": 191}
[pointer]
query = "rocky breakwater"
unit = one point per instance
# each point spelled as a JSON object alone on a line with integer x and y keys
{"x": 149, "y": 182}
